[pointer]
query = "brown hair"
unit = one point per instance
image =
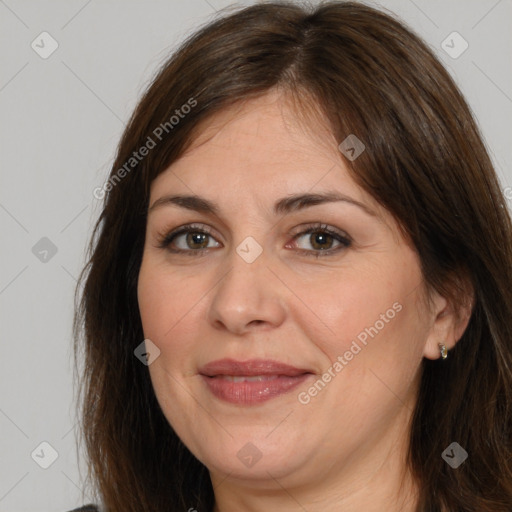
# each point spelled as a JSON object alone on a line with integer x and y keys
{"x": 425, "y": 162}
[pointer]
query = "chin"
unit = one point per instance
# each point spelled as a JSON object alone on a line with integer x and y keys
{"x": 258, "y": 460}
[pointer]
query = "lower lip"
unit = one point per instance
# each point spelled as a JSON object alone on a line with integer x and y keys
{"x": 250, "y": 393}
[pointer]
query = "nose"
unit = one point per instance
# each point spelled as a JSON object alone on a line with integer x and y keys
{"x": 248, "y": 297}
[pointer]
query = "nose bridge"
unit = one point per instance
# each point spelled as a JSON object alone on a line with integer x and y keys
{"x": 247, "y": 269}
{"x": 248, "y": 291}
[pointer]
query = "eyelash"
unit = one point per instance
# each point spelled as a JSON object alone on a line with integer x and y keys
{"x": 164, "y": 240}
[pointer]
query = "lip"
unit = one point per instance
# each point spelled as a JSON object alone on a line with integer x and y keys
{"x": 267, "y": 379}
{"x": 250, "y": 368}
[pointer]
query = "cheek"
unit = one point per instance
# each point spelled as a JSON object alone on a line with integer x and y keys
{"x": 370, "y": 361}
{"x": 360, "y": 307}
{"x": 167, "y": 305}
{"x": 375, "y": 339}
{"x": 161, "y": 301}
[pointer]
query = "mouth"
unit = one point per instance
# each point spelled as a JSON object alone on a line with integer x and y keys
{"x": 246, "y": 378}
{"x": 253, "y": 381}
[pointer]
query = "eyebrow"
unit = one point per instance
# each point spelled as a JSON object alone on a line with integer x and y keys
{"x": 283, "y": 206}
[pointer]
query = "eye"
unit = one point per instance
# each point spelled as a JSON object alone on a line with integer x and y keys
{"x": 189, "y": 237}
{"x": 194, "y": 240}
{"x": 321, "y": 237}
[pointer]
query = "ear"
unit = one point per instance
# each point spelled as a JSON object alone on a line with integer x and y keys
{"x": 450, "y": 320}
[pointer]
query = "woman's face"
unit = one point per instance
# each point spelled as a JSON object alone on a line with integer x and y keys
{"x": 329, "y": 326}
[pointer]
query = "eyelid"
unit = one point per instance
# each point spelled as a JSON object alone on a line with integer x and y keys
{"x": 317, "y": 226}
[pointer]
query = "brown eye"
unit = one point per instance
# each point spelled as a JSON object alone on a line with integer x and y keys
{"x": 187, "y": 239}
{"x": 321, "y": 239}
{"x": 196, "y": 240}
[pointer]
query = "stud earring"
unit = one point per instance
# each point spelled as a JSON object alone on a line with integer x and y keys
{"x": 443, "y": 350}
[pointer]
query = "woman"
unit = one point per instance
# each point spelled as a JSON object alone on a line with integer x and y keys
{"x": 226, "y": 369}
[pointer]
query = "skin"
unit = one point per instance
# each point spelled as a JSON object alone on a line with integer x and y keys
{"x": 345, "y": 448}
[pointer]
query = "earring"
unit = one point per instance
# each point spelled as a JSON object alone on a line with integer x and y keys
{"x": 443, "y": 350}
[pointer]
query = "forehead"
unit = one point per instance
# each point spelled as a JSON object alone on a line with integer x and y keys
{"x": 274, "y": 121}
{"x": 261, "y": 142}
{"x": 253, "y": 156}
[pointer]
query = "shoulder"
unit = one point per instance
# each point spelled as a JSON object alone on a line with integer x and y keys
{"x": 86, "y": 508}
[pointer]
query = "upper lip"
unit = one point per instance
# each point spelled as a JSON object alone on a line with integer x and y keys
{"x": 251, "y": 367}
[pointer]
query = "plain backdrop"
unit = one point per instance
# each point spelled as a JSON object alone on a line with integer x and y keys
{"x": 62, "y": 115}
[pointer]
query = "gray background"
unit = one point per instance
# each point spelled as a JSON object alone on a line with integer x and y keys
{"x": 61, "y": 119}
